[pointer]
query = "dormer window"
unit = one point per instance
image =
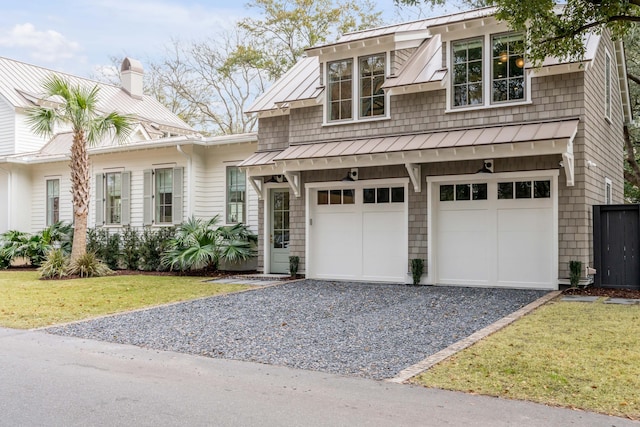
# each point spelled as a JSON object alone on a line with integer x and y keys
{"x": 507, "y": 65}
{"x": 360, "y": 95}
{"x": 340, "y": 89}
{"x": 467, "y": 72}
{"x": 503, "y": 64}
{"x": 372, "y": 69}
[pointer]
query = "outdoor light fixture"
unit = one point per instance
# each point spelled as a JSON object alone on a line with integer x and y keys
{"x": 352, "y": 175}
{"x": 487, "y": 167}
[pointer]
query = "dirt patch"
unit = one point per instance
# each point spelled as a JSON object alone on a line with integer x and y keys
{"x": 604, "y": 292}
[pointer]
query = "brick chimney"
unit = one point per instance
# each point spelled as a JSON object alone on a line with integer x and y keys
{"x": 131, "y": 74}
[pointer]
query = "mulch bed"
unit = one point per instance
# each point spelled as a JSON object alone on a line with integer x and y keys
{"x": 604, "y": 292}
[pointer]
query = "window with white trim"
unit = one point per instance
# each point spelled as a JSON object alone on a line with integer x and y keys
{"x": 507, "y": 80}
{"x": 113, "y": 198}
{"x": 467, "y": 72}
{"x": 462, "y": 192}
{"x": 607, "y": 85}
{"x": 358, "y": 96}
{"x": 163, "y": 196}
{"x": 53, "y": 201}
{"x": 608, "y": 191}
{"x": 236, "y": 195}
{"x": 340, "y": 91}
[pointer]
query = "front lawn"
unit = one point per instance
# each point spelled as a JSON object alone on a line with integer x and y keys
{"x": 579, "y": 355}
{"x": 26, "y": 302}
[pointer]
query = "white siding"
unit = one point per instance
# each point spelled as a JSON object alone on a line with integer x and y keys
{"x": 21, "y": 190}
{"x": 26, "y": 140}
{"x": 4, "y": 201}
{"x": 211, "y": 183}
{"x": 136, "y": 162}
{"x": 6, "y": 127}
{"x": 39, "y": 176}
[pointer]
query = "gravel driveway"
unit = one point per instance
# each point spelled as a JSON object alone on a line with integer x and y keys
{"x": 362, "y": 329}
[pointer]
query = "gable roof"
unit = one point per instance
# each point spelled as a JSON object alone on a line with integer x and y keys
{"x": 21, "y": 86}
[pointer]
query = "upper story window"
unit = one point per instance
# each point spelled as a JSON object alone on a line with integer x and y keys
{"x": 372, "y": 70}
{"x": 340, "y": 90}
{"x": 357, "y": 95}
{"x": 507, "y": 83}
{"x": 467, "y": 72}
{"x": 488, "y": 70}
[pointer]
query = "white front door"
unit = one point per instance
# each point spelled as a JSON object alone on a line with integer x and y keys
{"x": 279, "y": 233}
{"x": 495, "y": 232}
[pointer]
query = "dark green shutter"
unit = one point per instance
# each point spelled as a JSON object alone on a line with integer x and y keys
{"x": 147, "y": 205}
{"x": 125, "y": 198}
{"x": 177, "y": 199}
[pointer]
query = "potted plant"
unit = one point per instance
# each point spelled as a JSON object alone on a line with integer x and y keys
{"x": 417, "y": 268}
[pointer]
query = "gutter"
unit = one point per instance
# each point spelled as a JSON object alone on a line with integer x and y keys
{"x": 189, "y": 175}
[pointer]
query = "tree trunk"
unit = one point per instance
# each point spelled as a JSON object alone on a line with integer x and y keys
{"x": 632, "y": 176}
{"x": 79, "y": 164}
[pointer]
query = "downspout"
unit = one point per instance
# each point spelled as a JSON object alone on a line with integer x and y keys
{"x": 9, "y": 198}
{"x": 189, "y": 184}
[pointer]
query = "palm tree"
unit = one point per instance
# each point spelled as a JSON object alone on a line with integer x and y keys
{"x": 77, "y": 107}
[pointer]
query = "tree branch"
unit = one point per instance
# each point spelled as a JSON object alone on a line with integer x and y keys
{"x": 632, "y": 176}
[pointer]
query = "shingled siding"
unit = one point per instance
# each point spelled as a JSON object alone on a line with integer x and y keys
{"x": 554, "y": 97}
{"x": 273, "y": 133}
{"x": 604, "y": 146}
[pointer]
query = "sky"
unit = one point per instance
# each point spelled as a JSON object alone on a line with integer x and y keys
{"x": 80, "y": 36}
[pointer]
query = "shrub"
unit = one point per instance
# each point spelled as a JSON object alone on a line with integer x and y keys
{"x": 293, "y": 265}
{"x": 575, "y": 271}
{"x": 152, "y": 246}
{"x": 129, "y": 255}
{"x": 5, "y": 259}
{"x": 55, "y": 265}
{"x": 111, "y": 253}
{"x": 200, "y": 244}
{"x": 417, "y": 268}
{"x": 88, "y": 265}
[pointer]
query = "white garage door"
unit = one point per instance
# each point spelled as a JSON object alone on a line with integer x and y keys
{"x": 358, "y": 233}
{"x": 495, "y": 233}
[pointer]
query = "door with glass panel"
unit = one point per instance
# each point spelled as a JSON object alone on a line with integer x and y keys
{"x": 279, "y": 232}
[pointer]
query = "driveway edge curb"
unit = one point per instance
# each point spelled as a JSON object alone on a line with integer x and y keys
{"x": 410, "y": 372}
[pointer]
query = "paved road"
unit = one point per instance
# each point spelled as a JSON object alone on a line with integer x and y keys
{"x": 55, "y": 381}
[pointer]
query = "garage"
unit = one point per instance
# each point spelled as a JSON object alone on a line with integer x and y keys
{"x": 358, "y": 231}
{"x": 499, "y": 231}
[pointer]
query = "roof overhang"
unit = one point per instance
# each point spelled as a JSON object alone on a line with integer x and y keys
{"x": 513, "y": 140}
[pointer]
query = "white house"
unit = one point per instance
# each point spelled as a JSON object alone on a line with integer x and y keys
{"x": 163, "y": 174}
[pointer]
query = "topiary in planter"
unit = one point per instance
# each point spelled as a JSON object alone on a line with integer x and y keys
{"x": 293, "y": 265}
{"x": 575, "y": 271}
{"x": 417, "y": 268}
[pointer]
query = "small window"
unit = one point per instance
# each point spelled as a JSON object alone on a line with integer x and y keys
{"x": 397, "y": 195}
{"x": 236, "y": 195}
{"x": 383, "y": 195}
{"x": 479, "y": 191}
{"x": 348, "y": 197}
{"x": 608, "y": 193}
{"x": 323, "y": 197}
{"x": 369, "y": 195}
{"x": 463, "y": 192}
{"x": 505, "y": 190}
{"x": 53, "y": 201}
{"x": 335, "y": 197}
{"x": 446, "y": 193}
{"x": 541, "y": 189}
{"x": 523, "y": 189}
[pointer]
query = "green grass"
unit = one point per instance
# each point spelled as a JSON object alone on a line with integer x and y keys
{"x": 27, "y": 302}
{"x": 579, "y": 355}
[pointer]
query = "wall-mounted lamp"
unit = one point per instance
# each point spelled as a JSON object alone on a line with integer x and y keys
{"x": 276, "y": 178}
{"x": 487, "y": 167}
{"x": 561, "y": 163}
{"x": 591, "y": 164}
{"x": 352, "y": 175}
